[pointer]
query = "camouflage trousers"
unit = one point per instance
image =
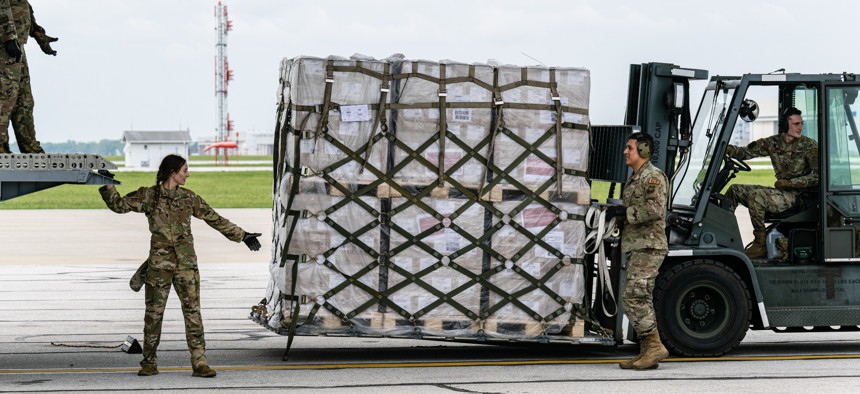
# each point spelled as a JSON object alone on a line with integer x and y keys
{"x": 759, "y": 200}
{"x": 638, "y": 296}
{"x": 187, "y": 285}
{"x": 16, "y": 106}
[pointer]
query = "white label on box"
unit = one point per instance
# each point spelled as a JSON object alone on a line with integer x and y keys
{"x": 462, "y": 115}
{"x": 532, "y": 267}
{"x": 554, "y": 239}
{"x": 355, "y": 113}
{"x": 308, "y": 146}
{"x": 441, "y": 284}
{"x": 433, "y": 113}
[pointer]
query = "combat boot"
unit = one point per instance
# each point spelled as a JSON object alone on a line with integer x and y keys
{"x": 204, "y": 371}
{"x": 643, "y": 346}
{"x": 656, "y": 352}
{"x": 757, "y": 249}
{"x": 148, "y": 370}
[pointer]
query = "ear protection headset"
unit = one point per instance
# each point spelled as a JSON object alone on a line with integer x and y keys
{"x": 783, "y": 118}
{"x": 643, "y": 144}
{"x": 783, "y": 121}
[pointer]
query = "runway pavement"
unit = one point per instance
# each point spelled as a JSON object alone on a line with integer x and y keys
{"x": 63, "y": 280}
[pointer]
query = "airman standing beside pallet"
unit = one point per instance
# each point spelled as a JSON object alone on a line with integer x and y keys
{"x": 16, "y": 98}
{"x": 644, "y": 243}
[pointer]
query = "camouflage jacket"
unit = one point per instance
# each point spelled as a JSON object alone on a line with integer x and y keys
{"x": 645, "y": 196}
{"x": 16, "y": 19}
{"x": 796, "y": 161}
{"x": 170, "y": 221}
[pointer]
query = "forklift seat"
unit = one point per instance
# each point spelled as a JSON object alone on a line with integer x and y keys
{"x": 805, "y": 201}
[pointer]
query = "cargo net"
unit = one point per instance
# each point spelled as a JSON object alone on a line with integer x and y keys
{"x": 417, "y": 198}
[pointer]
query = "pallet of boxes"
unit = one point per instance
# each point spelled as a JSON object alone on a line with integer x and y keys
{"x": 419, "y": 199}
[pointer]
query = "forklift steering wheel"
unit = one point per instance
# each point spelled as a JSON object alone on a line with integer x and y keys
{"x": 737, "y": 164}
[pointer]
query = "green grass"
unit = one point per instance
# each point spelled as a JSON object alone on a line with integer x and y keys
{"x": 599, "y": 190}
{"x": 246, "y": 189}
{"x": 251, "y": 189}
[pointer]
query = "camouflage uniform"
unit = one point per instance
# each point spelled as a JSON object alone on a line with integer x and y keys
{"x": 795, "y": 161}
{"x": 16, "y": 97}
{"x": 644, "y": 243}
{"x": 172, "y": 260}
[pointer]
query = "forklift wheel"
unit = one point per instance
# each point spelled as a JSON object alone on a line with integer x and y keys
{"x": 703, "y": 308}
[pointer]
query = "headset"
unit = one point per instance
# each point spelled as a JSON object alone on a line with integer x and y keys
{"x": 783, "y": 118}
{"x": 644, "y": 142}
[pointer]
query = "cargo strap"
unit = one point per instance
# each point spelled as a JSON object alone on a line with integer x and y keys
{"x": 559, "y": 149}
{"x": 380, "y": 119}
{"x": 443, "y": 124}
{"x": 600, "y": 230}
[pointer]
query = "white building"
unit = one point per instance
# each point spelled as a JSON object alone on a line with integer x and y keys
{"x": 146, "y": 149}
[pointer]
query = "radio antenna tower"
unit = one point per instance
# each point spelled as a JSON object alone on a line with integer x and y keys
{"x": 223, "y": 76}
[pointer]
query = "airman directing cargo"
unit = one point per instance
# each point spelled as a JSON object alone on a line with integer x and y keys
{"x": 172, "y": 259}
{"x": 18, "y": 22}
{"x": 643, "y": 240}
{"x": 795, "y": 163}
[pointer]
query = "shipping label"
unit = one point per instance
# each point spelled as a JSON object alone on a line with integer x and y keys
{"x": 354, "y": 113}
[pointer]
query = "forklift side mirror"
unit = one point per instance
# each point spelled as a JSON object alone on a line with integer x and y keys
{"x": 749, "y": 110}
{"x": 675, "y": 97}
{"x": 850, "y": 96}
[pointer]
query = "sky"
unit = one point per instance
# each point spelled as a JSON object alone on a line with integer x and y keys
{"x": 149, "y": 64}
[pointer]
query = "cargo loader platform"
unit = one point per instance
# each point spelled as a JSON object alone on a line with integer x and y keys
{"x": 22, "y": 174}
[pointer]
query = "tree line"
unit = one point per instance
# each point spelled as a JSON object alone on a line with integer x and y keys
{"x": 104, "y": 147}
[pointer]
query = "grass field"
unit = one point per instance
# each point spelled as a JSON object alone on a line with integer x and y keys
{"x": 599, "y": 190}
{"x": 251, "y": 189}
{"x": 245, "y": 189}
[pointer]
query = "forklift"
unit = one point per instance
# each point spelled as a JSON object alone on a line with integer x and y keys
{"x": 708, "y": 292}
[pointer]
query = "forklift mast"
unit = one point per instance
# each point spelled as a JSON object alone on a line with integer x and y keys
{"x": 658, "y": 102}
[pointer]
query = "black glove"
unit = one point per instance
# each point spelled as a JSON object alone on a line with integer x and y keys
{"x": 13, "y": 49}
{"x": 250, "y": 239}
{"x": 44, "y": 40}
{"x": 615, "y": 211}
{"x": 106, "y": 173}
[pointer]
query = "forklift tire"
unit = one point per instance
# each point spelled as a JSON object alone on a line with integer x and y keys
{"x": 703, "y": 308}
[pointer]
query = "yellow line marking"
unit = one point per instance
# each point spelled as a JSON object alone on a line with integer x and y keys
{"x": 429, "y": 364}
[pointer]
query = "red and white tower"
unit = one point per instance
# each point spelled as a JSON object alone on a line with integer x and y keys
{"x": 223, "y": 75}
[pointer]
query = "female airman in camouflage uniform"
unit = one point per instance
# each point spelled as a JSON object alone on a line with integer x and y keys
{"x": 172, "y": 260}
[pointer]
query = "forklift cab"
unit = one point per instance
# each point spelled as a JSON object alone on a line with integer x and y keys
{"x": 821, "y": 227}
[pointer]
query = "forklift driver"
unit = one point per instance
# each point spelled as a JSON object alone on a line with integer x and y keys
{"x": 795, "y": 164}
